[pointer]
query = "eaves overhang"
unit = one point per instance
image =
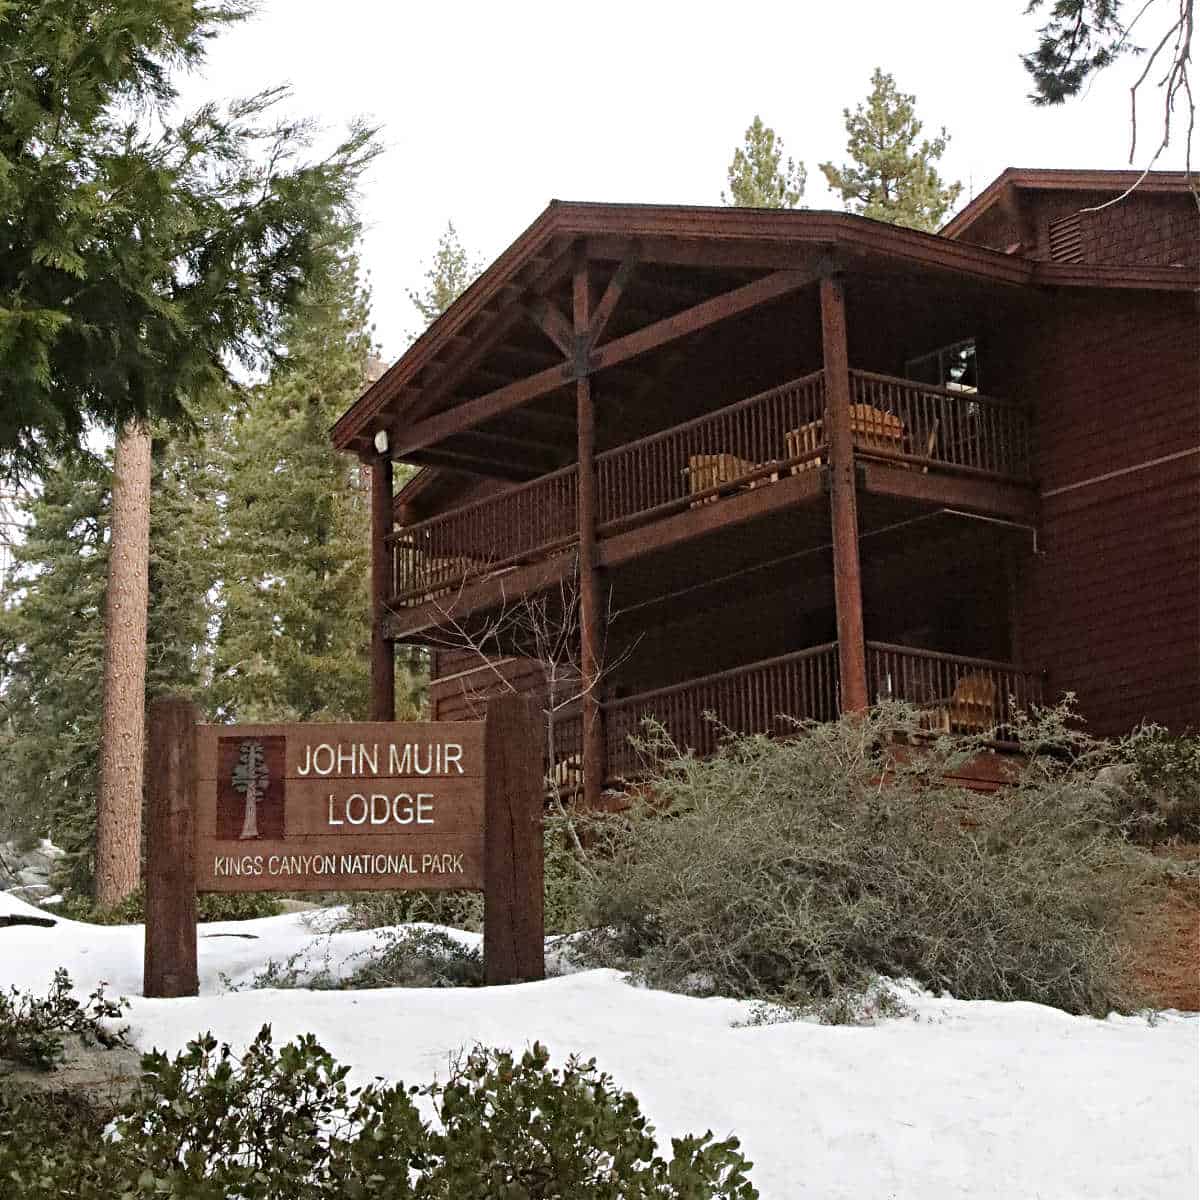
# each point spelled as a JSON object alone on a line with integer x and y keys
{"x": 737, "y": 237}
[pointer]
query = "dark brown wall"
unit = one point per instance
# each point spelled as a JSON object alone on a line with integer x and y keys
{"x": 1146, "y": 229}
{"x": 1111, "y": 605}
{"x": 460, "y": 683}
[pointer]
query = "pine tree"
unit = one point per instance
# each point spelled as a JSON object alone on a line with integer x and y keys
{"x": 758, "y": 175}
{"x": 294, "y": 616}
{"x": 122, "y": 725}
{"x": 52, "y": 640}
{"x": 449, "y": 275}
{"x": 892, "y": 177}
{"x": 140, "y": 254}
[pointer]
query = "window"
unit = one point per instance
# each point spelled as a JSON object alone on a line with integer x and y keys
{"x": 955, "y": 367}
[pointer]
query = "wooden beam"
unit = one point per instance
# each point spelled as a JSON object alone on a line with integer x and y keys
{"x": 608, "y": 302}
{"x": 843, "y": 498}
{"x": 691, "y": 320}
{"x": 487, "y": 340}
{"x": 547, "y": 317}
{"x": 472, "y": 464}
{"x": 509, "y": 442}
{"x": 591, "y": 618}
{"x": 475, "y": 412}
{"x": 701, "y": 253}
{"x": 700, "y": 316}
{"x": 383, "y": 657}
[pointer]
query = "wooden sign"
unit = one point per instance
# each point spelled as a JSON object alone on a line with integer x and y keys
{"x": 368, "y": 806}
{"x": 326, "y": 808}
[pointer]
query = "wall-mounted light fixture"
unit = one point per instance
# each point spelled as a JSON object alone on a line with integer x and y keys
{"x": 381, "y": 441}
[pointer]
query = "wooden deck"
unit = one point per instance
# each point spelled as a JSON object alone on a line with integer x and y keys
{"x": 955, "y": 694}
{"x": 768, "y": 451}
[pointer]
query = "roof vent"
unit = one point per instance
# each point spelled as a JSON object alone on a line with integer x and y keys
{"x": 1066, "y": 239}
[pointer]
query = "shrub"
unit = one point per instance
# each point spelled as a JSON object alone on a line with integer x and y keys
{"x": 464, "y": 910}
{"x": 210, "y": 906}
{"x": 1160, "y": 798}
{"x": 419, "y": 958}
{"x": 800, "y": 869}
{"x": 375, "y": 910}
{"x": 284, "y": 1124}
{"x": 32, "y": 1028}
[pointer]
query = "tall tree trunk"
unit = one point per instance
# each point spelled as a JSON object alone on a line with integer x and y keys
{"x": 122, "y": 729}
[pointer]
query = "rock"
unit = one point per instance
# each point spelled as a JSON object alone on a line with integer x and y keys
{"x": 1116, "y": 779}
{"x": 105, "y": 1077}
{"x": 33, "y": 876}
{"x": 295, "y": 906}
{"x": 32, "y": 893}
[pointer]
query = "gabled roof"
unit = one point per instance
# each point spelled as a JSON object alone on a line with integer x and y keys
{"x": 1115, "y": 183}
{"x": 706, "y": 238}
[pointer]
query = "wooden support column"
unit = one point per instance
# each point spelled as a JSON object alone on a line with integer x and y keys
{"x": 170, "y": 950}
{"x": 591, "y": 615}
{"x": 513, "y": 888}
{"x": 843, "y": 498}
{"x": 383, "y": 656}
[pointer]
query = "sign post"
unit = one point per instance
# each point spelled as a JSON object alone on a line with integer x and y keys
{"x": 355, "y": 807}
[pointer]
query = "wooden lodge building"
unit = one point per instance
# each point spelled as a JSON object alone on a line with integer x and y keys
{"x": 798, "y": 461}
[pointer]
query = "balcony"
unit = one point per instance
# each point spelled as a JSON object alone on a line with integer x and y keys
{"x": 954, "y": 694}
{"x": 915, "y": 442}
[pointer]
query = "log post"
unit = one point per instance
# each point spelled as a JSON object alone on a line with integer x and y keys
{"x": 843, "y": 497}
{"x": 170, "y": 956}
{"x": 383, "y": 655}
{"x": 513, "y": 916}
{"x": 591, "y": 615}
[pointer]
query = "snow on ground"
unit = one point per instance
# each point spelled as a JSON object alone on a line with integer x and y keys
{"x": 961, "y": 1099}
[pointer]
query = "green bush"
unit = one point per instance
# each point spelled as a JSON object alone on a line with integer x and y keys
{"x": 210, "y": 906}
{"x": 1160, "y": 799}
{"x": 32, "y": 1028}
{"x": 376, "y": 910}
{"x": 800, "y": 869}
{"x": 464, "y": 910}
{"x": 285, "y": 1125}
{"x": 418, "y": 958}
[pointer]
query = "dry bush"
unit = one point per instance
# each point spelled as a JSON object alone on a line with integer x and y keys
{"x": 801, "y": 868}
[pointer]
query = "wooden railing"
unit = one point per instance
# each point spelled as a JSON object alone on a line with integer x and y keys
{"x": 751, "y": 441}
{"x": 955, "y": 694}
{"x": 748, "y": 699}
{"x": 434, "y": 557}
{"x": 941, "y": 427}
{"x": 750, "y": 444}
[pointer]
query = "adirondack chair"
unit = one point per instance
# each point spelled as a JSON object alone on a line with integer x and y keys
{"x": 706, "y": 471}
{"x": 974, "y": 706}
{"x": 872, "y": 429}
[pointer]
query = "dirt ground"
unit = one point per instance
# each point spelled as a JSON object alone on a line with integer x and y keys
{"x": 1167, "y": 956}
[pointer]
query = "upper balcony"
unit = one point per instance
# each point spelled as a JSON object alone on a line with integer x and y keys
{"x": 913, "y": 443}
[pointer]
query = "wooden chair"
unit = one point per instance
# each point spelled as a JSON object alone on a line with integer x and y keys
{"x": 566, "y": 775}
{"x": 872, "y": 429}
{"x": 706, "y": 471}
{"x": 973, "y": 708}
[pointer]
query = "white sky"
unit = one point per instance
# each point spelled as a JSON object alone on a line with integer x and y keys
{"x": 490, "y": 110}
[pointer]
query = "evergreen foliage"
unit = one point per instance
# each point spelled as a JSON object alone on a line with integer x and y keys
{"x": 139, "y": 257}
{"x": 285, "y": 1124}
{"x": 759, "y": 177}
{"x": 52, "y": 641}
{"x": 1081, "y": 37}
{"x": 449, "y": 275}
{"x": 892, "y": 176}
{"x": 294, "y": 610}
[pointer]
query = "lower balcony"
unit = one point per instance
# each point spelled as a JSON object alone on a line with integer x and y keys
{"x": 954, "y": 694}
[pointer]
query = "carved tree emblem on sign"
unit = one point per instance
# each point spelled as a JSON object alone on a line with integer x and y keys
{"x": 251, "y": 778}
